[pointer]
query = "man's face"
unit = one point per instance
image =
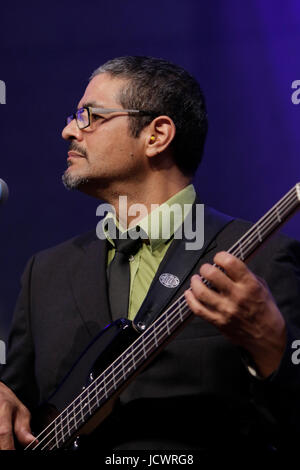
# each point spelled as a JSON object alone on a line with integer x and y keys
{"x": 104, "y": 153}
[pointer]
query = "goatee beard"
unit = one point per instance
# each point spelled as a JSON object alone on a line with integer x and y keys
{"x": 73, "y": 182}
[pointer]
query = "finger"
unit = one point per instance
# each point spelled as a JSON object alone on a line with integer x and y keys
{"x": 22, "y": 427}
{"x": 204, "y": 294}
{"x": 201, "y": 310}
{"x": 235, "y": 269}
{"x": 6, "y": 432}
{"x": 7, "y": 441}
{"x": 217, "y": 278}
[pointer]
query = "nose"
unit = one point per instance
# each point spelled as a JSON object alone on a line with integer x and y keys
{"x": 71, "y": 131}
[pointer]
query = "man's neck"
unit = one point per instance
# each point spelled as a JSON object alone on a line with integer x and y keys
{"x": 135, "y": 203}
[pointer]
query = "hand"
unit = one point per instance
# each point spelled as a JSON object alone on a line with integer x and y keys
{"x": 14, "y": 420}
{"x": 242, "y": 308}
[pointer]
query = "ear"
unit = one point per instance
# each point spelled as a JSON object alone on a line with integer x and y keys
{"x": 159, "y": 135}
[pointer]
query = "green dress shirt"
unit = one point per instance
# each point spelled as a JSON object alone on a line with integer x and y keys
{"x": 160, "y": 226}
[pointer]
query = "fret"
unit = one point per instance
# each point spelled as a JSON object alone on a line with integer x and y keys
{"x": 153, "y": 331}
{"x": 259, "y": 232}
{"x": 178, "y": 320}
{"x": 123, "y": 368}
{"x": 267, "y": 226}
{"x": 56, "y": 433}
{"x": 144, "y": 349}
{"x": 149, "y": 345}
{"x": 140, "y": 352}
{"x": 133, "y": 360}
{"x": 97, "y": 392}
{"x": 68, "y": 422}
{"x": 74, "y": 416}
{"x": 241, "y": 252}
{"x": 127, "y": 358}
{"x": 72, "y": 419}
{"x": 155, "y": 337}
{"x": 55, "y": 437}
{"x": 151, "y": 341}
{"x": 278, "y": 214}
{"x": 84, "y": 404}
{"x": 100, "y": 390}
{"x": 81, "y": 408}
{"x": 106, "y": 381}
{"x": 51, "y": 443}
{"x": 88, "y": 403}
{"x": 118, "y": 370}
{"x": 128, "y": 362}
{"x": 177, "y": 316}
{"x": 114, "y": 378}
{"x": 105, "y": 386}
{"x": 77, "y": 412}
{"x": 92, "y": 395}
{"x": 180, "y": 310}
{"x": 62, "y": 434}
{"x": 60, "y": 424}
{"x": 168, "y": 326}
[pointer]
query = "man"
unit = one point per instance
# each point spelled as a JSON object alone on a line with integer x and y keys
{"x": 227, "y": 379}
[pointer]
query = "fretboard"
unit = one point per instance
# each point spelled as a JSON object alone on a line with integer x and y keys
{"x": 158, "y": 334}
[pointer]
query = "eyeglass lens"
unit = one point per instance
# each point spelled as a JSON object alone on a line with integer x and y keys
{"x": 82, "y": 118}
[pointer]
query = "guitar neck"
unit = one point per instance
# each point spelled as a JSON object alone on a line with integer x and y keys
{"x": 154, "y": 338}
{"x": 267, "y": 225}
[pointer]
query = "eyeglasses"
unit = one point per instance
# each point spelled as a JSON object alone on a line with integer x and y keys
{"x": 85, "y": 116}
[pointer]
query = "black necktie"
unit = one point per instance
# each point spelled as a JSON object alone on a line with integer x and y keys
{"x": 119, "y": 276}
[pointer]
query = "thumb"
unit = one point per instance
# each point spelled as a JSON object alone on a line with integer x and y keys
{"x": 22, "y": 427}
{"x": 26, "y": 437}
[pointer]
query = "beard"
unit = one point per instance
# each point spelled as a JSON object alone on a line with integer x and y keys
{"x": 73, "y": 181}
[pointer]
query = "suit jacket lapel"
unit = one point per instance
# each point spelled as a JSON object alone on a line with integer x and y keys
{"x": 89, "y": 281}
{"x": 178, "y": 263}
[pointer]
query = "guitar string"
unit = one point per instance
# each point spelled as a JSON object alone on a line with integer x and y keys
{"x": 266, "y": 228}
{"x": 96, "y": 385}
{"x": 105, "y": 378}
{"x": 253, "y": 229}
{"x": 285, "y": 201}
{"x": 94, "y": 400}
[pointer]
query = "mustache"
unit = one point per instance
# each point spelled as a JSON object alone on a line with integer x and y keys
{"x": 74, "y": 146}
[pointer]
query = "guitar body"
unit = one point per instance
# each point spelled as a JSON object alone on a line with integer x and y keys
{"x": 98, "y": 355}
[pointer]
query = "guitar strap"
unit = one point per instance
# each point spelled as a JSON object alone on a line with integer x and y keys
{"x": 178, "y": 263}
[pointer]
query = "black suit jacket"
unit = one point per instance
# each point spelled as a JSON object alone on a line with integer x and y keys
{"x": 198, "y": 382}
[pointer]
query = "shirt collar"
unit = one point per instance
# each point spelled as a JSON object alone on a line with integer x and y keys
{"x": 163, "y": 221}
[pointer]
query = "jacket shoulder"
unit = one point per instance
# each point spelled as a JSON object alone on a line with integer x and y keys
{"x": 67, "y": 248}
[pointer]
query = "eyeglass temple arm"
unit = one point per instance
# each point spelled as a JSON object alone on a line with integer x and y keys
{"x": 111, "y": 110}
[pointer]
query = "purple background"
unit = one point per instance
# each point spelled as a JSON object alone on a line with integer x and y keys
{"x": 245, "y": 56}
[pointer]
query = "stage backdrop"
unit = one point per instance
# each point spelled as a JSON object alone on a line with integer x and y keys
{"x": 245, "y": 56}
